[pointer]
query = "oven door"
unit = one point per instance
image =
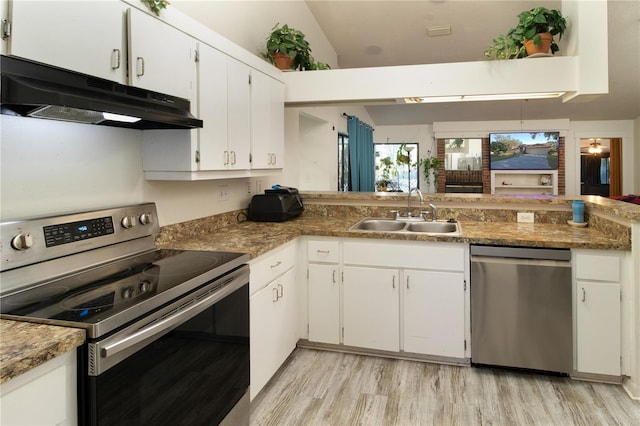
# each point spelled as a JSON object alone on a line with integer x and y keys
{"x": 185, "y": 364}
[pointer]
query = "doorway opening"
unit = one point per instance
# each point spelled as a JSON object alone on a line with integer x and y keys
{"x": 601, "y": 166}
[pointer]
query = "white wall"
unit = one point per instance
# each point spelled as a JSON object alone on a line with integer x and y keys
{"x": 52, "y": 166}
{"x": 311, "y": 140}
{"x": 248, "y": 23}
{"x": 606, "y": 129}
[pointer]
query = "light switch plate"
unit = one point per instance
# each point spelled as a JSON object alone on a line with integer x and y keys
{"x": 525, "y": 218}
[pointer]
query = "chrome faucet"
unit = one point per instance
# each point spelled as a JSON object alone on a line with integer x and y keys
{"x": 434, "y": 212}
{"x": 409, "y": 200}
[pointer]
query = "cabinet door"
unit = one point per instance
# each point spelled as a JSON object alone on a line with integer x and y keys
{"x": 286, "y": 317}
{"x": 371, "y": 308}
{"x": 598, "y": 328}
{"x": 212, "y": 95}
{"x": 84, "y": 36}
{"x": 161, "y": 58}
{"x": 263, "y": 335}
{"x": 324, "y": 303}
{"x": 238, "y": 114}
{"x": 267, "y": 122}
{"x": 434, "y": 313}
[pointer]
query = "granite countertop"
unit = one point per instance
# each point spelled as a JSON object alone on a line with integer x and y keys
{"x": 27, "y": 345}
{"x": 257, "y": 238}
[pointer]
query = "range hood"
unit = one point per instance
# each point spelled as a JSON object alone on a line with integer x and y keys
{"x": 31, "y": 89}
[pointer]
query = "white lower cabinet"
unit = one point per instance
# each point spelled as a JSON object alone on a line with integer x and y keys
{"x": 391, "y": 296}
{"x": 371, "y": 308}
{"x": 599, "y": 277}
{"x": 273, "y": 315}
{"x": 598, "y": 328}
{"x": 45, "y": 395}
{"x": 324, "y": 312}
{"x": 434, "y": 313}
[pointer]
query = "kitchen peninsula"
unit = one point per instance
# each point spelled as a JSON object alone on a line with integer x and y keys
{"x": 485, "y": 219}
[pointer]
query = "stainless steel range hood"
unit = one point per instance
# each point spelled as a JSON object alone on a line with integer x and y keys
{"x": 32, "y": 89}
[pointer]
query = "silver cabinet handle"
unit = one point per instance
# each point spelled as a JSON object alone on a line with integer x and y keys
{"x": 275, "y": 159}
{"x": 334, "y": 276}
{"x": 407, "y": 281}
{"x": 275, "y": 295}
{"x": 584, "y": 295}
{"x": 226, "y": 158}
{"x": 280, "y": 291}
{"x": 140, "y": 66}
{"x": 276, "y": 265}
{"x": 324, "y": 251}
{"x": 233, "y": 157}
{"x": 115, "y": 59}
{"x": 393, "y": 281}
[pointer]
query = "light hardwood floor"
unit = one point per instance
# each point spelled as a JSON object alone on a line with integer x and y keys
{"x": 329, "y": 388}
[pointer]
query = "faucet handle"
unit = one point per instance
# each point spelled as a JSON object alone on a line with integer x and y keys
{"x": 423, "y": 214}
{"x": 396, "y": 213}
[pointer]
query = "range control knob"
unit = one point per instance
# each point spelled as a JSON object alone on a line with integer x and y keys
{"x": 145, "y": 218}
{"x": 127, "y": 293}
{"x": 22, "y": 241}
{"x": 144, "y": 286}
{"x": 128, "y": 222}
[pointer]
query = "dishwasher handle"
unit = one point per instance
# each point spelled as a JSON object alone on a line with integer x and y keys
{"x": 514, "y": 261}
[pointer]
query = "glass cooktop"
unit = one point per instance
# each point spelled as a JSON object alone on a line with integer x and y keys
{"x": 120, "y": 291}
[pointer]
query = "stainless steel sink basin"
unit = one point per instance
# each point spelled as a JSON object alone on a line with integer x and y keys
{"x": 399, "y": 226}
{"x": 385, "y": 225}
{"x": 433, "y": 227}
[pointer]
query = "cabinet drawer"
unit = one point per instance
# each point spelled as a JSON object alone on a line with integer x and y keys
{"x": 437, "y": 256}
{"x": 323, "y": 251}
{"x": 597, "y": 267}
{"x": 271, "y": 265}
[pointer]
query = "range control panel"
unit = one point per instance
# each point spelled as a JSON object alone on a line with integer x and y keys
{"x": 28, "y": 241}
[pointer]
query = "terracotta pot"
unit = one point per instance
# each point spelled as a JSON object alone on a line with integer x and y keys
{"x": 282, "y": 60}
{"x": 543, "y": 47}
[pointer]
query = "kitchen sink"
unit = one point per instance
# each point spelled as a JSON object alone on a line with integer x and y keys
{"x": 398, "y": 226}
{"x": 385, "y": 225}
{"x": 433, "y": 227}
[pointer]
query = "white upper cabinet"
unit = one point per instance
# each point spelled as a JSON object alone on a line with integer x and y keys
{"x": 267, "y": 122}
{"x": 161, "y": 58}
{"x": 212, "y": 108}
{"x": 239, "y": 114}
{"x": 84, "y": 36}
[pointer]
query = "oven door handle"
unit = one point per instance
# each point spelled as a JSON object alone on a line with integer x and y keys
{"x": 164, "y": 325}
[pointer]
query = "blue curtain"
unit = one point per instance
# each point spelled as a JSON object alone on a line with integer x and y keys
{"x": 361, "y": 155}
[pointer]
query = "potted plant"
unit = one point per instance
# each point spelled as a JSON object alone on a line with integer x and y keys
{"x": 509, "y": 46}
{"x": 287, "y": 48}
{"x": 538, "y": 27}
{"x": 533, "y": 34}
{"x": 156, "y": 5}
{"x": 431, "y": 166}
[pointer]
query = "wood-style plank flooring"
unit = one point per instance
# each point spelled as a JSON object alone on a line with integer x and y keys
{"x": 329, "y": 388}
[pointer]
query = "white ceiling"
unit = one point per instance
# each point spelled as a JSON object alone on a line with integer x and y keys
{"x": 379, "y": 33}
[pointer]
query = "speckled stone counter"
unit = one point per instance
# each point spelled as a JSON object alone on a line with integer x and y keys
{"x": 257, "y": 238}
{"x": 25, "y": 345}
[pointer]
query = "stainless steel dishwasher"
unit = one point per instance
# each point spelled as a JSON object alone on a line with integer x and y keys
{"x": 521, "y": 309}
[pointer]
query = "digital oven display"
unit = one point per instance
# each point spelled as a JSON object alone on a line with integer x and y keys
{"x": 55, "y": 235}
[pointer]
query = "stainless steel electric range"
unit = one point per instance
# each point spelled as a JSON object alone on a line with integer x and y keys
{"x": 167, "y": 330}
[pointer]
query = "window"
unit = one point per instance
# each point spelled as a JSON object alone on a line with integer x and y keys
{"x": 396, "y": 166}
{"x": 344, "y": 182}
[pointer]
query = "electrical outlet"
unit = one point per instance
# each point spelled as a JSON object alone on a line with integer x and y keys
{"x": 249, "y": 186}
{"x": 258, "y": 186}
{"x": 223, "y": 193}
{"x": 525, "y": 217}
